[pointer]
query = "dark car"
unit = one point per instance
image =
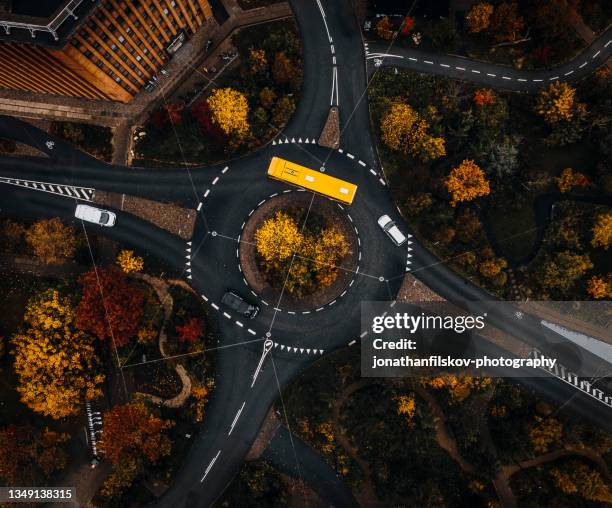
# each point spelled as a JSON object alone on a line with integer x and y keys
{"x": 236, "y": 303}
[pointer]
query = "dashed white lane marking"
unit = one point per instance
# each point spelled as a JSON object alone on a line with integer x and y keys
{"x": 491, "y": 75}
{"x": 608, "y": 43}
{"x": 413, "y": 59}
{"x": 382, "y": 181}
{"x": 553, "y": 78}
{"x": 350, "y": 155}
{"x": 596, "y": 54}
{"x": 227, "y": 315}
{"x": 214, "y": 306}
{"x": 205, "y": 298}
{"x": 199, "y": 206}
{"x": 373, "y": 172}
{"x": 210, "y": 465}
{"x": 522, "y": 79}
{"x": 583, "y": 64}
{"x": 506, "y": 77}
{"x": 207, "y": 193}
{"x": 352, "y": 342}
{"x": 239, "y": 324}
{"x": 538, "y": 80}
{"x": 363, "y": 334}
{"x": 362, "y": 163}
{"x": 460, "y": 68}
{"x": 445, "y": 65}
{"x": 239, "y": 412}
{"x": 252, "y": 332}
{"x": 475, "y": 71}
{"x": 333, "y": 50}
{"x": 568, "y": 73}
{"x": 428, "y": 62}
{"x": 214, "y": 182}
{"x": 224, "y": 170}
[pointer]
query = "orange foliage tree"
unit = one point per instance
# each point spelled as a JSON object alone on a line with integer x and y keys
{"x": 28, "y": 455}
{"x": 484, "y": 97}
{"x": 602, "y": 230}
{"x": 506, "y": 22}
{"x": 384, "y": 28}
{"x": 568, "y": 179}
{"x": 598, "y": 287}
{"x": 556, "y": 102}
{"x": 51, "y": 241}
{"x": 466, "y": 182}
{"x": 479, "y": 17}
{"x": 117, "y": 315}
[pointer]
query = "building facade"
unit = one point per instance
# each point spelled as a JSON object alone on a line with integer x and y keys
{"x": 108, "y": 49}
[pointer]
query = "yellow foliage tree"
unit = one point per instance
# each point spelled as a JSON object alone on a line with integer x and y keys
{"x": 479, "y": 17}
{"x": 406, "y": 405}
{"x": 278, "y": 239}
{"x": 466, "y": 182}
{"x": 51, "y": 241}
{"x": 258, "y": 61}
{"x": 544, "y": 433}
{"x": 491, "y": 267}
{"x": 598, "y": 287}
{"x": 556, "y": 102}
{"x": 55, "y": 363}
{"x": 128, "y": 262}
{"x": 404, "y": 129}
{"x": 602, "y": 230}
{"x": 230, "y": 110}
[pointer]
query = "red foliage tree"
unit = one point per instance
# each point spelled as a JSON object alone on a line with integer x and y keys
{"x": 191, "y": 330}
{"x": 407, "y": 25}
{"x": 118, "y": 314}
{"x": 202, "y": 114}
{"x": 131, "y": 432}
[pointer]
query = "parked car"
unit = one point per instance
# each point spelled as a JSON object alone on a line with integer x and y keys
{"x": 236, "y": 303}
{"x": 393, "y": 232}
{"x": 95, "y": 215}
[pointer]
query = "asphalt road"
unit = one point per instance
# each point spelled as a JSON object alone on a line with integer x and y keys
{"x": 227, "y": 193}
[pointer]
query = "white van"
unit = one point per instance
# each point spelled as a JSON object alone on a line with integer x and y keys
{"x": 95, "y": 215}
{"x": 393, "y": 232}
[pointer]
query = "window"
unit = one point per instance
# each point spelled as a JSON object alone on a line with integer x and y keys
{"x": 121, "y": 39}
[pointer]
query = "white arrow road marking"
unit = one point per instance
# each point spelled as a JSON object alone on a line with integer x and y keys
{"x": 236, "y": 418}
{"x": 212, "y": 463}
{"x": 268, "y": 344}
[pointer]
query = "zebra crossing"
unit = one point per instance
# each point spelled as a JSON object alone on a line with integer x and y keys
{"x": 68, "y": 191}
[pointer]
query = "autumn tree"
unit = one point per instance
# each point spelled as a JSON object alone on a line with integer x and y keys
{"x": 479, "y": 17}
{"x": 563, "y": 270}
{"x": 191, "y": 330}
{"x": 229, "y": 109}
{"x": 544, "y": 433}
{"x": 602, "y": 230}
{"x": 283, "y": 70}
{"x": 490, "y": 268}
{"x": 599, "y": 287}
{"x": 568, "y": 179}
{"x": 111, "y": 307}
{"x": 128, "y": 262}
{"x": 133, "y": 437}
{"x": 327, "y": 250}
{"x": 267, "y": 97}
{"x": 484, "y": 97}
{"x": 28, "y": 455}
{"x": 418, "y": 203}
{"x": 406, "y": 406}
{"x": 282, "y": 111}
{"x": 278, "y": 239}
{"x": 466, "y": 182}
{"x": 51, "y": 241}
{"x": 258, "y": 62}
{"x": 404, "y": 129}
{"x": 556, "y": 102}
{"x": 55, "y": 363}
{"x": 578, "y": 478}
{"x": 506, "y": 22}
{"x": 384, "y": 28}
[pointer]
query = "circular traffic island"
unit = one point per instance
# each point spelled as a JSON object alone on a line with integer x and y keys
{"x": 302, "y": 248}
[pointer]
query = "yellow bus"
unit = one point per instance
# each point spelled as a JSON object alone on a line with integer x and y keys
{"x": 334, "y": 188}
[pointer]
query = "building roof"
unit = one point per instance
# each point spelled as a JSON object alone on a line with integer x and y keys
{"x": 43, "y": 22}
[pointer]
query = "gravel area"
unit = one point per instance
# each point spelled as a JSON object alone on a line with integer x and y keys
{"x": 330, "y": 136}
{"x": 174, "y": 219}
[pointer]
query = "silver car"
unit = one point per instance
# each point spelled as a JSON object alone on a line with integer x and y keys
{"x": 95, "y": 215}
{"x": 237, "y": 304}
{"x": 393, "y": 232}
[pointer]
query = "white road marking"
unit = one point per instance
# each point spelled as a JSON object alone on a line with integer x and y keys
{"x": 596, "y": 54}
{"x": 373, "y": 172}
{"x": 537, "y": 80}
{"x": 199, "y": 206}
{"x": 224, "y": 170}
{"x": 475, "y": 71}
{"x": 207, "y": 193}
{"x": 581, "y": 66}
{"x": 460, "y": 68}
{"x": 506, "y": 77}
{"x": 491, "y": 75}
{"x": 214, "y": 182}
{"x": 382, "y": 181}
{"x": 236, "y": 418}
{"x": 568, "y": 73}
{"x": 362, "y": 163}
{"x": 352, "y": 342}
{"x": 428, "y": 62}
{"x": 608, "y": 43}
{"x": 363, "y": 334}
{"x": 350, "y": 155}
{"x": 214, "y": 306}
{"x": 252, "y": 332}
{"x": 522, "y": 79}
{"x": 413, "y": 59}
{"x": 553, "y": 78}
{"x": 239, "y": 324}
{"x": 212, "y": 463}
{"x": 205, "y": 298}
{"x": 444, "y": 65}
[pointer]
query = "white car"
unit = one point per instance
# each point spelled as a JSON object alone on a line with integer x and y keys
{"x": 393, "y": 232}
{"x": 95, "y": 215}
